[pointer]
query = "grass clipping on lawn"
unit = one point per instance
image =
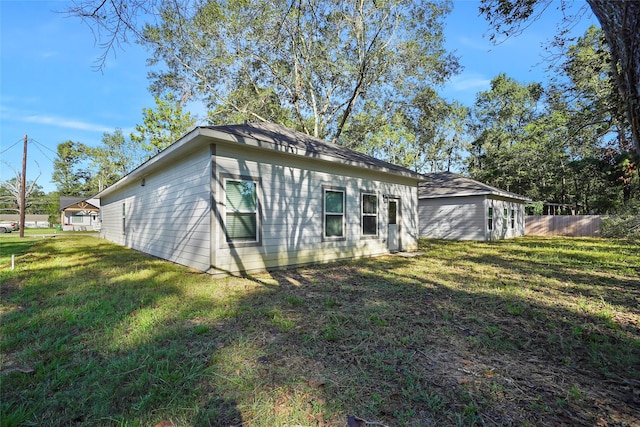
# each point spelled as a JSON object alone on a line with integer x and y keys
{"x": 532, "y": 331}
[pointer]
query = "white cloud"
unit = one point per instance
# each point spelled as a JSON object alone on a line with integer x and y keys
{"x": 66, "y": 123}
{"x": 49, "y": 54}
{"x": 474, "y": 43}
{"x": 469, "y": 82}
{"x": 51, "y": 120}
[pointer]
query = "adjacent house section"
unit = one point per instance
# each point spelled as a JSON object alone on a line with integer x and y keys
{"x": 243, "y": 198}
{"x": 455, "y": 207}
{"x": 79, "y": 213}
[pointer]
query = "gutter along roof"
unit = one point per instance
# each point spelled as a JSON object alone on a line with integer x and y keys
{"x": 263, "y": 136}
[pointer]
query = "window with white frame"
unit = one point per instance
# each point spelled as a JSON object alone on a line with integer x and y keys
{"x": 334, "y": 210}
{"x": 513, "y": 218}
{"x": 241, "y": 210}
{"x": 505, "y": 218}
{"x": 369, "y": 218}
{"x": 490, "y": 219}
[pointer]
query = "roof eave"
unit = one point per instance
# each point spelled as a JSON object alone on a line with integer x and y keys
{"x": 205, "y": 134}
{"x": 478, "y": 193}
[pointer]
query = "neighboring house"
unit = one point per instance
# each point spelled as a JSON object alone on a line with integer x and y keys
{"x": 458, "y": 208}
{"x": 79, "y": 213}
{"x": 244, "y": 198}
{"x": 30, "y": 220}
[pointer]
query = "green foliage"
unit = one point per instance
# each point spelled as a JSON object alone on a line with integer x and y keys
{"x": 70, "y": 171}
{"x": 113, "y": 159}
{"x": 621, "y": 226}
{"x": 621, "y": 30}
{"x": 535, "y": 208}
{"x": 425, "y": 134}
{"x": 161, "y": 127}
{"x": 308, "y": 65}
{"x": 567, "y": 144}
{"x": 503, "y": 124}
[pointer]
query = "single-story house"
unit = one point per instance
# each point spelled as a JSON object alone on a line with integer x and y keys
{"x": 79, "y": 213}
{"x": 251, "y": 197}
{"x": 30, "y": 220}
{"x": 455, "y": 207}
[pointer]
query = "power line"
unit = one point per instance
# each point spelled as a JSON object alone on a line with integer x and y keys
{"x": 42, "y": 145}
{"x": 39, "y": 145}
{"x": 12, "y": 145}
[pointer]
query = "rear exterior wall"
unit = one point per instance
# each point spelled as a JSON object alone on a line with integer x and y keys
{"x": 454, "y": 218}
{"x": 467, "y": 218}
{"x": 291, "y": 210}
{"x": 179, "y": 214}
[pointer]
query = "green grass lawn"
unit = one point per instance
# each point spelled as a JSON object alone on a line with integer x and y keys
{"x": 533, "y": 331}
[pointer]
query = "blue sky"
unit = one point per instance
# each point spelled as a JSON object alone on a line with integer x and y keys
{"x": 50, "y": 90}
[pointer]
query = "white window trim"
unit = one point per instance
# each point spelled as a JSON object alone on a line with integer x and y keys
{"x": 244, "y": 242}
{"x": 363, "y": 215}
{"x": 490, "y": 217}
{"x": 342, "y": 190}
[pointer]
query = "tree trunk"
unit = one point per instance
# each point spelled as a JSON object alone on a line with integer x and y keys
{"x": 620, "y": 22}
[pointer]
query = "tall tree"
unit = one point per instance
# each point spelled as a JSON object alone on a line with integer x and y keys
{"x": 621, "y": 26}
{"x": 113, "y": 159}
{"x": 598, "y": 134}
{"x": 11, "y": 191}
{"x": 70, "y": 171}
{"x": 500, "y": 119}
{"x": 159, "y": 129}
{"x": 425, "y": 134}
{"x": 308, "y": 64}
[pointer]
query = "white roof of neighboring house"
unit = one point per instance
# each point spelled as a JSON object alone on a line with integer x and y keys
{"x": 448, "y": 184}
{"x": 267, "y": 136}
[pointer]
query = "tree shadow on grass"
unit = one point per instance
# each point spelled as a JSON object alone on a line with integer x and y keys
{"x": 124, "y": 339}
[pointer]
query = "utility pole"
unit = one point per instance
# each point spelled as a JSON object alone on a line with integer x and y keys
{"x": 23, "y": 187}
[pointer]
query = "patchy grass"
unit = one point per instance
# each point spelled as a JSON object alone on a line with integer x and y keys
{"x": 521, "y": 332}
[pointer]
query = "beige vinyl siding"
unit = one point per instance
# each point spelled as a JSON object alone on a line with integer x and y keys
{"x": 168, "y": 217}
{"x": 456, "y": 218}
{"x": 500, "y": 231}
{"x": 291, "y": 205}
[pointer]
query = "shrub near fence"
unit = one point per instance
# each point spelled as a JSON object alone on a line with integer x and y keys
{"x": 563, "y": 225}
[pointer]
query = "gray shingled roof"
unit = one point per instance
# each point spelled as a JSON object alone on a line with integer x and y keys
{"x": 448, "y": 184}
{"x": 66, "y": 201}
{"x": 276, "y": 134}
{"x": 268, "y": 136}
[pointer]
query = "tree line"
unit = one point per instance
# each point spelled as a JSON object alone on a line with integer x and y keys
{"x": 366, "y": 75}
